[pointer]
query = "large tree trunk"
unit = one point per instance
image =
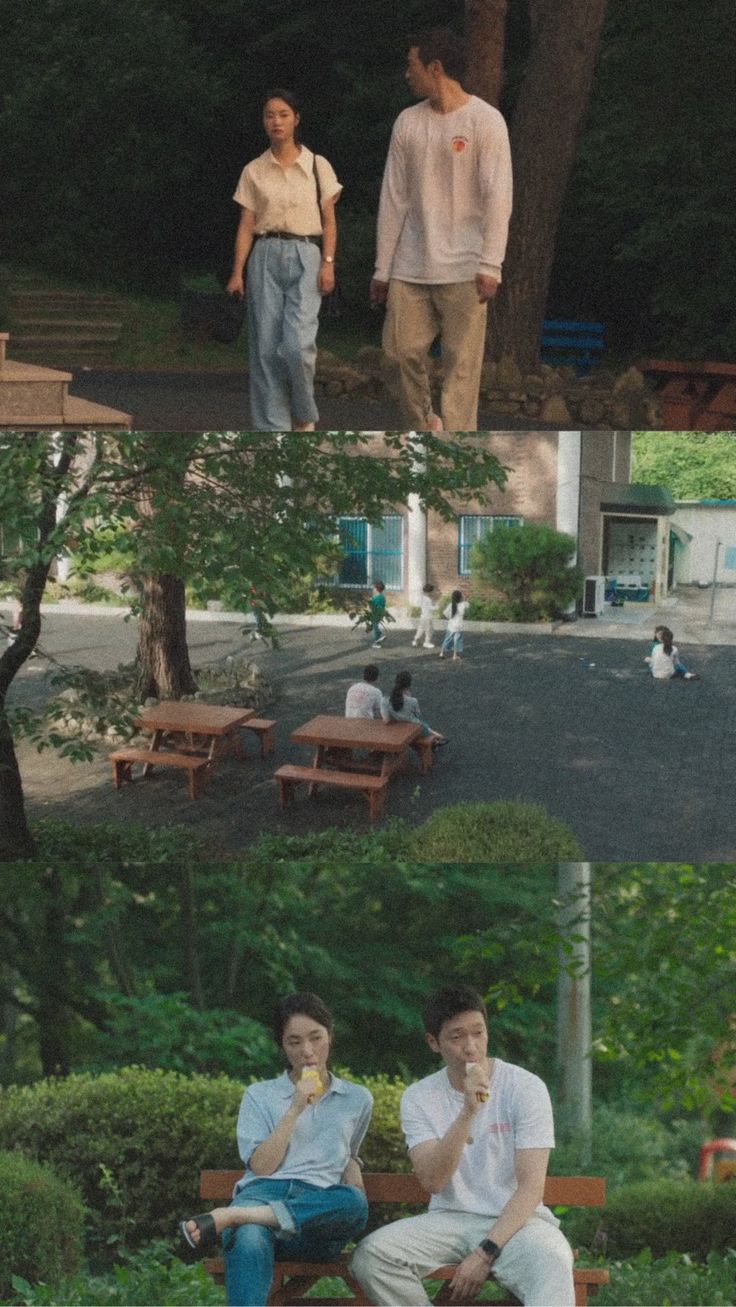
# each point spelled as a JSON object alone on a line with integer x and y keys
{"x": 163, "y": 657}
{"x": 547, "y": 120}
{"x": 485, "y": 30}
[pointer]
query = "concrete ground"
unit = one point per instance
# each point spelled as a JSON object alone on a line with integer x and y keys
{"x": 218, "y": 401}
{"x": 570, "y": 719}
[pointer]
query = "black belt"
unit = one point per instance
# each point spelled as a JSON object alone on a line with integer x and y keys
{"x": 287, "y": 236}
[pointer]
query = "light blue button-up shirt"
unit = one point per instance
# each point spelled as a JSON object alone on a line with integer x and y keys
{"x": 326, "y": 1135}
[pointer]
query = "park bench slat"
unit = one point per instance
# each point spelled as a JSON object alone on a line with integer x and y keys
{"x": 367, "y": 783}
{"x": 122, "y": 761}
{"x": 401, "y": 1187}
{"x": 265, "y": 729}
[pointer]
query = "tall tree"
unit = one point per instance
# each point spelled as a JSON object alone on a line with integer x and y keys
{"x": 547, "y": 119}
{"x": 485, "y": 30}
{"x": 231, "y": 510}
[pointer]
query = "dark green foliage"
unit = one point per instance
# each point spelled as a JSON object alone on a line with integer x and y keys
{"x": 134, "y": 1141}
{"x": 151, "y": 1275}
{"x": 41, "y": 1219}
{"x": 629, "y": 1146}
{"x": 663, "y": 1216}
{"x": 502, "y": 832}
{"x": 670, "y": 1279}
{"x": 530, "y": 566}
{"x": 691, "y": 464}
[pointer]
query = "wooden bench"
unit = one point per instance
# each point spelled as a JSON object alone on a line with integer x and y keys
{"x": 367, "y": 783}
{"x": 578, "y": 344}
{"x": 266, "y": 732}
{"x": 292, "y": 1280}
{"x": 196, "y": 766}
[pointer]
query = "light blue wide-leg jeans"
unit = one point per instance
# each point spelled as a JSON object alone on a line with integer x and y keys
{"x": 283, "y": 303}
{"x": 315, "y": 1224}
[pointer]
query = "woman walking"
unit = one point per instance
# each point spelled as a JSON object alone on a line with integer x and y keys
{"x": 287, "y": 235}
{"x": 302, "y": 1195}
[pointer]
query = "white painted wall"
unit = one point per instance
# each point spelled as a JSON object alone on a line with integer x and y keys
{"x": 707, "y": 524}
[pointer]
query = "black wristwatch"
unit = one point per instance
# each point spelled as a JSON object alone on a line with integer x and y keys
{"x": 490, "y": 1249}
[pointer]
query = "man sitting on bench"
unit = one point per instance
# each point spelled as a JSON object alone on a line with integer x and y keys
{"x": 479, "y": 1133}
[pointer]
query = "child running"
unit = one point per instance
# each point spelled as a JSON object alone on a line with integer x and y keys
{"x": 426, "y": 619}
{"x": 664, "y": 659}
{"x": 455, "y": 614}
{"x": 378, "y": 609}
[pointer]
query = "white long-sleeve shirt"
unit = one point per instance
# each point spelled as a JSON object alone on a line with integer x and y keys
{"x": 446, "y": 195}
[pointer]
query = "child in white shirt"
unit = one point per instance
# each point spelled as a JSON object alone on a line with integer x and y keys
{"x": 426, "y": 622}
{"x": 455, "y": 614}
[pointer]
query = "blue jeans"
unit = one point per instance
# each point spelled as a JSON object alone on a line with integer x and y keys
{"x": 283, "y": 303}
{"x": 453, "y": 638}
{"x": 315, "y": 1226}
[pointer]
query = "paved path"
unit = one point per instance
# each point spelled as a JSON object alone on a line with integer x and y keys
{"x": 218, "y": 401}
{"x": 638, "y": 769}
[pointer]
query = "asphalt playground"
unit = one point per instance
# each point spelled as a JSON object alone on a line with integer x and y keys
{"x": 570, "y": 719}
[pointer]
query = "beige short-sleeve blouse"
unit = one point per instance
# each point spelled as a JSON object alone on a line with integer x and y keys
{"x": 285, "y": 199}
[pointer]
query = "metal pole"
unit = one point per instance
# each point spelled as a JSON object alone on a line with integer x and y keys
{"x": 574, "y": 1027}
{"x": 715, "y": 574}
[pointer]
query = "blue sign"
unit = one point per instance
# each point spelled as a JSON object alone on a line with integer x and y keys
{"x": 729, "y": 559}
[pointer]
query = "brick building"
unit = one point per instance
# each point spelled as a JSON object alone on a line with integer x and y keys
{"x": 578, "y": 483}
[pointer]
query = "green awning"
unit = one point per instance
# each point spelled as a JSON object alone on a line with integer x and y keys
{"x": 655, "y": 501}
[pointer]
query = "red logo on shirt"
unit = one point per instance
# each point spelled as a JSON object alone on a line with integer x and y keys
{"x": 459, "y": 143}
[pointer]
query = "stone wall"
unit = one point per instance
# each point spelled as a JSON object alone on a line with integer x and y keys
{"x": 554, "y": 396}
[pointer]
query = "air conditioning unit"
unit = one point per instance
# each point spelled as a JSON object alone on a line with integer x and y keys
{"x": 593, "y": 596}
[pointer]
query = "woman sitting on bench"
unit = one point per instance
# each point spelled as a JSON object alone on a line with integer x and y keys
{"x": 400, "y": 706}
{"x": 301, "y": 1197}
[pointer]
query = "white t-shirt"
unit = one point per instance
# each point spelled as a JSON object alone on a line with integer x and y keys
{"x": 518, "y": 1114}
{"x": 363, "y": 700}
{"x": 455, "y": 623}
{"x": 285, "y": 199}
{"x": 663, "y": 664}
{"x": 446, "y": 195}
{"x": 427, "y": 606}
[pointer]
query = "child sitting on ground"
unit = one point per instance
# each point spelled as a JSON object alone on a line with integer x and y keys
{"x": 664, "y": 659}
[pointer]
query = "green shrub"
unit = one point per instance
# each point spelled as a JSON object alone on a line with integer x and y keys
{"x": 41, "y": 1222}
{"x": 152, "y": 1275}
{"x": 136, "y": 1140}
{"x": 671, "y": 1279}
{"x": 493, "y": 832}
{"x": 628, "y": 1147}
{"x": 489, "y": 610}
{"x": 529, "y": 565}
{"x": 663, "y": 1216}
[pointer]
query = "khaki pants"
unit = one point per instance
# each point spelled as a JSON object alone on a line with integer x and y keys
{"x": 416, "y": 314}
{"x": 536, "y": 1263}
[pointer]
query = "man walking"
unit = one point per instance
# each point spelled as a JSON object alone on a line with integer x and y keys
{"x": 479, "y": 1133}
{"x": 442, "y": 228}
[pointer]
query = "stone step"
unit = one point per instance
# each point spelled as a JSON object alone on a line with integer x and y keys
{"x": 43, "y": 298}
{"x": 66, "y": 358}
{"x": 53, "y": 337}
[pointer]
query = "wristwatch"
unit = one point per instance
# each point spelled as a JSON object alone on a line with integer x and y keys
{"x": 328, "y": 258}
{"x": 490, "y": 1249}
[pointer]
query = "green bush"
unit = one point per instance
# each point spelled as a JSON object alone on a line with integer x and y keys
{"x": 136, "y": 1140}
{"x": 663, "y": 1216}
{"x": 493, "y": 832}
{"x": 152, "y": 1275}
{"x": 41, "y": 1222}
{"x": 671, "y": 1279}
{"x": 628, "y": 1147}
{"x": 529, "y": 565}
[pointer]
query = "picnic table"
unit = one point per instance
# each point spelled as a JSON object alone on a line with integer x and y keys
{"x": 694, "y": 396}
{"x": 334, "y": 740}
{"x": 199, "y": 733}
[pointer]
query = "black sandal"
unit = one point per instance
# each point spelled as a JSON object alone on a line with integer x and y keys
{"x": 205, "y": 1223}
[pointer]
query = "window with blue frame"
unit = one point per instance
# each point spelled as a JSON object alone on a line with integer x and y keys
{"x": 472, "y": 527}
{"x": 371, "y": 552}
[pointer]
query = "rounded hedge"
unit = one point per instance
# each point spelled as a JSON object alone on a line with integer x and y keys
{"x": 41, "y": 1223}
{"x": 662, "y": 1215}
{"x": 135, "y": 1141}
{"x": 493, "y": 832}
